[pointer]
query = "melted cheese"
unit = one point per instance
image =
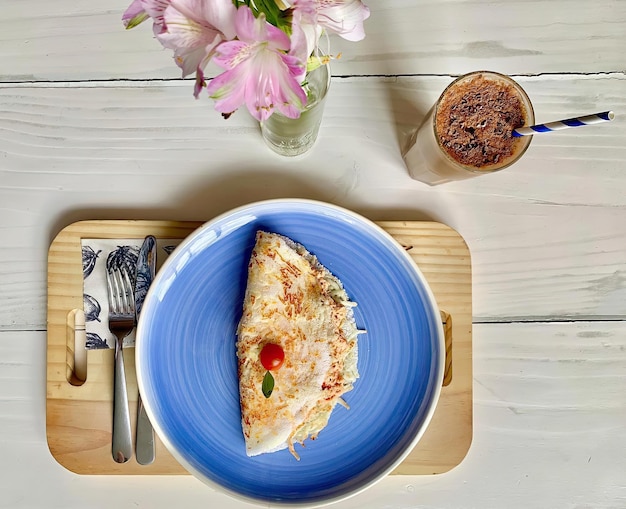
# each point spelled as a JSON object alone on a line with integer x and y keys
{"x": 293, "y": 301}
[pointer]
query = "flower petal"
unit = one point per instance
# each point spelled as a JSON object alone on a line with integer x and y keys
{"x": 200, "y": 83}
{"x": 229, "y": 54}
{"x": 134, "y": 14}
{"x": 305, "y": 33}
{"x": 190, "y": 60}
{"x": 216, "y": 14}
{"x": 155, "y": 9}
{"x": 227, "y": 91}
{"x": 252, "y": 30}
{"x": 343, "y": 17}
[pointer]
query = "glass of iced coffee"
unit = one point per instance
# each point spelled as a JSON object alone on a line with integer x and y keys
{"x": 469, "y": 130}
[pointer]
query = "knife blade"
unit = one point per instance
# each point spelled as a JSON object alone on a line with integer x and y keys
{"x": 146, "y": 270}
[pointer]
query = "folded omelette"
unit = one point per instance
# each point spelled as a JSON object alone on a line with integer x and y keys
{"x": 296, "y": 306}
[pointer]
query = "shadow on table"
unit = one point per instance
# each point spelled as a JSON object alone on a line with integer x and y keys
{"x": 233, "y": 188}
{"x": 403, "y": 97}
{"x": 240, "y": 187}
{"x": 206, "y": 200}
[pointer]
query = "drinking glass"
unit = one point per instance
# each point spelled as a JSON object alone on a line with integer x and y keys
{"x": 295, "y": 136}
{"x": 426, "y": 156}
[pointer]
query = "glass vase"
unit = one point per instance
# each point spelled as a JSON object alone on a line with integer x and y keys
{"x": 295, "y": 136}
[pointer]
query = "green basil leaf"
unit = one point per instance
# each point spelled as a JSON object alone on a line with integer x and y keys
{"x": 268, "y": 384}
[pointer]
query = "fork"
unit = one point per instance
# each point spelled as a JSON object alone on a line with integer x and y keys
{"x": 121, "y": 322}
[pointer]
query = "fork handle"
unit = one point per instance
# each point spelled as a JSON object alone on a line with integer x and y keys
{"x": 122, "y": 442}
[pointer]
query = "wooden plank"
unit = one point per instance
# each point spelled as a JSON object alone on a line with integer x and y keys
{"x": 84, "y": 40}
{"x": 545, "y": 395}
{"x": 546, "y": 235}
{"x": 79, "y": 417}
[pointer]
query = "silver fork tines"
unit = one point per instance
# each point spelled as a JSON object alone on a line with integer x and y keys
{"x": 121, "y": 300}
{"x": 121, "y": 323}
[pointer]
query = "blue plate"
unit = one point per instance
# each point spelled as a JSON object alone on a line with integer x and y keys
{"x": 187, "y": 369}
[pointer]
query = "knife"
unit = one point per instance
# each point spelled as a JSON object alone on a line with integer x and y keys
{"x": 146, "y": 269}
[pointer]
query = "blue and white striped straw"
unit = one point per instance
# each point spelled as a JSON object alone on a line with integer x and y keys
{"x": 597, "y": 118}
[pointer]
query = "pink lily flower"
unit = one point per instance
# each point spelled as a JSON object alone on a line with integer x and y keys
{"x": 259, "y": 70}
{"x": 193, "y": 29}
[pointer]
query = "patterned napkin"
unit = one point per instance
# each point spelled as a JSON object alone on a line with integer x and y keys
{"x": 97, "y": 254}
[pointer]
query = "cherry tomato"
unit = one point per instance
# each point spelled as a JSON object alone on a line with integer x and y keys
{"x": 272, "y": 356}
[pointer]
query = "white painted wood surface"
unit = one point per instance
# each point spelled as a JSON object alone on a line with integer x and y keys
{"x": 70, "y": 40}
{"x": 549, "y": 432}
{"x": 94, "y": 123}
{"x": 547, "y": 236}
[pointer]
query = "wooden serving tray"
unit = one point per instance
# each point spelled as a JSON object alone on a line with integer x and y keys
{"x": 79, "y": 417}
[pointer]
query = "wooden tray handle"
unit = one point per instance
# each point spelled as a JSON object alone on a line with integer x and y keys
{"x": 446, "y": 319}
{"x": 76, "y": 354}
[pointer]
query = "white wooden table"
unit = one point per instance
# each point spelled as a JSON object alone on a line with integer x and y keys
{"x": 95, "y": 123}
